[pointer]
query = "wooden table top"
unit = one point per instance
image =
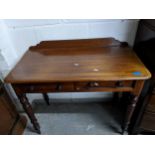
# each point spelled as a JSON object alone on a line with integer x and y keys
{"x": 78, "y": 60}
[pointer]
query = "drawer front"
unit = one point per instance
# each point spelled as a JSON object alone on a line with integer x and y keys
{"x": 43, "y": 88}
{"x": 74, "y": 87}
{"x": 81, "y": 86}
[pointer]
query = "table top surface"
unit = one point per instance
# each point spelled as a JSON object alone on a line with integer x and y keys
{"x": 78, "y": 60}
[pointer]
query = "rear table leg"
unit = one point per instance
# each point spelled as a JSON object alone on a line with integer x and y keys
{"x": 46, "y": 98}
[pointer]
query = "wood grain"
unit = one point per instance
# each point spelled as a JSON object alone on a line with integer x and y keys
{"x": 82, "y": 60}
{"x": 89, "y": 65}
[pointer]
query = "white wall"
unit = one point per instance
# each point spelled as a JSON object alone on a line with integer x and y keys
{"x": 8, "y": 55}
{"x": 25, "y": 33}
{"x": 21, "y": 34}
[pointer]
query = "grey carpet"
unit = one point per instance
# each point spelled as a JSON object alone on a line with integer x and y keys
{"x": 77, "y": 118}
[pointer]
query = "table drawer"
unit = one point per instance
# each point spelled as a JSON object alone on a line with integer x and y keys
{"x": 73, "y": 87}
{"x": 81, "y": 86}
{"x": 43, "y": 88}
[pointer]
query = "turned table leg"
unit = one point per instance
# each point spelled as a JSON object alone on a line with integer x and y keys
{"x": 28, "y": 109}
{"x": 46, "y": 98}
{"x": 130, "y": 109}
{"x": 132, "y": 102}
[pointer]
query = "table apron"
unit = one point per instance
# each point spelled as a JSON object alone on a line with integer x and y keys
{"x": 122, "y": 86}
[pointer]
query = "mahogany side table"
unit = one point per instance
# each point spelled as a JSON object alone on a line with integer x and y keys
{"x": 87, "y": 65}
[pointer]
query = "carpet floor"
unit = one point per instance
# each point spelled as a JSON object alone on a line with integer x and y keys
{"x": 77, "y": 118}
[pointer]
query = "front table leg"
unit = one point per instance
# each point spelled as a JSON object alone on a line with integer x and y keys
{"x": 130, "y": 109}
{"x": 133, "y": 99}
{"x": 28, "y": 109}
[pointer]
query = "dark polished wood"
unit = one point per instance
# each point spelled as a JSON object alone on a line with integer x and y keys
{"x": 144, "y": 117}
{"x": 130, "y": 109}
{"x": 80, "y": 63}
{"x": 88, "y": 65}
{"x": 11, "y": 122}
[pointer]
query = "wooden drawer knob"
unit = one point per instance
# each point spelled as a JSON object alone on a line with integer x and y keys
{"x": 94, "y": 84}
{"x": 59, "y": 87}
{"x": 119, "y": 84}
{"x": 31, "y": 88}
{"x": 77, "y": 88}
